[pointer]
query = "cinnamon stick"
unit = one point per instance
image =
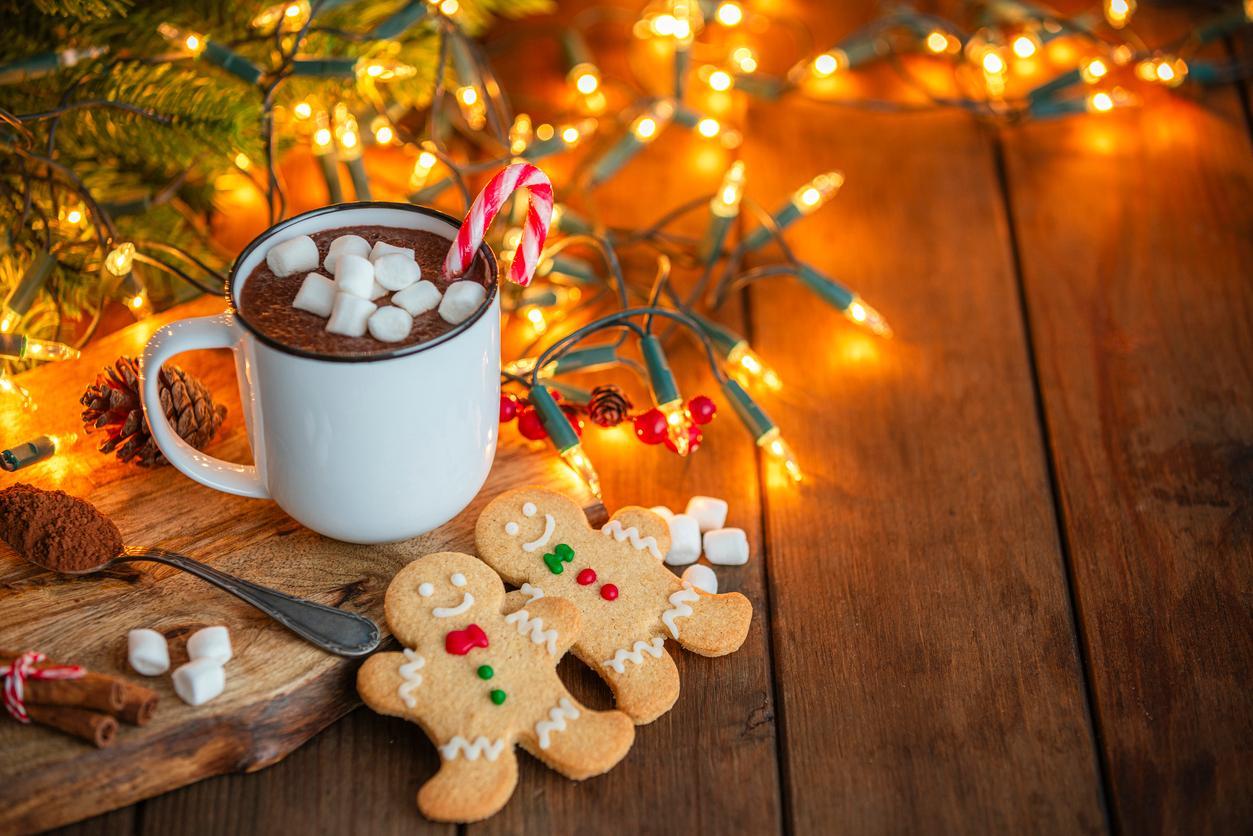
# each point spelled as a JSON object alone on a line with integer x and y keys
{"x": 93, "y": 691}
{"x": 139, "y": 704}
{"x": 98, "y": 729}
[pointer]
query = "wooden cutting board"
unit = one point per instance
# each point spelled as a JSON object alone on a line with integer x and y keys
{"x": 280, "y": 691}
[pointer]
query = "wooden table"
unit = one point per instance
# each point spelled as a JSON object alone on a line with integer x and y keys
{"x": 1015, "y": 592}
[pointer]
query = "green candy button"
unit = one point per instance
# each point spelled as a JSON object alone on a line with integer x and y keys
{"x": 498, "y": 696}
{"x": 486, "y": 672}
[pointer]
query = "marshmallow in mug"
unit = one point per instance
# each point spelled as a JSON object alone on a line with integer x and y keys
{"x": 418, "y": 298}
{"x": 346, "y": 245}
{"x": 390, "y": 324}
{"x": 354, "y": 276}
{"x": 316, "y": 295}
{"x": 147, "y": 652}
{"x": 351, "y": 315}
{"x": 295, "y": 255}
{"x": 461, "y": 300}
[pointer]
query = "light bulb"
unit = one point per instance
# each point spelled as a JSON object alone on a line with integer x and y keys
{"x": 192, "y": 42}
{"x": 745, "y": 366}
{"x": 720, "y": 80}
{"x": 74, "y": 216}
{"x": 1118, "y": 12}
{"x": 9, "y": 321}
{"x": 726, "y": 203}
{"x": 535, "y": 317}
{"x": 9, "y": 389}
{"x": 520, "y": 133}
{"x": 28, "y": 348}
{"x": 303, "y": 110}
{"x": 828, "y": 63}
{"x": 449, "y": 7}
{"x": 291, "y": 16}
{"x": 1025, "y": 45}
{"x": 118, "y": 261}
{"x": 383, "y": 132}
{"x": 729, "y": 13}
{"x": 867, "y": 317}
{"x": 678, "y": 421}
{"x": 993, "y": 63}
{"x": 570, "y": 135}
{"x": 578, "y": 461}
{"x": 744, "y": 59}
{"x": 936, "y": 42}
{"x": 384, "y": 69}
{"x": 777, "y": 450}
{"x": 1171, "y": 71}
{"x": 322, "y": 138}
{"x": 1100, "y": 102}
{"x": 1093, "y": 71}
{"x": 585, "y": 78}
{"x": 817, "y": 191}
{"x": 708, "y": 128}
{"x": 663, "y": 25}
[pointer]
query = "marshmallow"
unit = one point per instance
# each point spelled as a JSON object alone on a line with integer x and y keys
{"x": 709, "y": 511}
{"x": 355, "y": 276}
{"x": 199, "y": 681}
{"x": 295, "y": 255}
{"x": 702, "y": 577}
{"x": 350, "y": 315}
{"x": 418, "y": 298}
{"x": 147, "y": 652}
{"x": 382, "y": 248}
{"x": 461, "y": 300}
{"x": 390, "y": 324}
{"x": 346, "y": 245}
{"x": 316, "y": 295}
{"x": 210, "y": 643}
{"x": 396, "y": 272}
{"x": 684, "y": 540}
{"x": 727, "y": 546}
{"x": 377, "y": 292}
{"x": 662, "y": 511}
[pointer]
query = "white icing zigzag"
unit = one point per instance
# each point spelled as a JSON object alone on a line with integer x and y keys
{"x": 635, "y": 654}
{"x": 556, "y": 721}
{"x": 536, "y": 627}
{"x": 679, "y": 607}
{"x": 533, "y": 593}
{"x": 614, "y": 529}
{"x": 412, "y": 679}
{"x": 481, "y": 746}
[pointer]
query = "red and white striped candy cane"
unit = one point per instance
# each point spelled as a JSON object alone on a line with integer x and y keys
{"x": 483, "y": 211}
{"x": 14, "y": 675}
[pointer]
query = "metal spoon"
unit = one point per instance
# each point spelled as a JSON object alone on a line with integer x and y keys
{"x": 337, "y": 631}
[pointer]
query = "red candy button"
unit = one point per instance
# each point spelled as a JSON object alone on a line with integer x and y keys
{"x": 586, "y": 576}
{"x": 609, "y": 592}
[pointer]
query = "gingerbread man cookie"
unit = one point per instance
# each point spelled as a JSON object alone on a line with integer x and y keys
{"x": 478, "y": 681}
{"x": 630, "y": 603}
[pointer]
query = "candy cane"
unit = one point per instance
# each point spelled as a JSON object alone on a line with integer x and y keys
{"x": 483, "y": 211}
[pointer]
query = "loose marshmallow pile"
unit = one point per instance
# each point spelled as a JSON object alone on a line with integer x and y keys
{"x": 362, "y": 274}
{"x": 198, "y": 681}
{"x": 702, "y": 528}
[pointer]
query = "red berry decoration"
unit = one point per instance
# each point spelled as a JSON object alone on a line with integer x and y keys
{"x": 509, "y": 407}
{"x": 609, "y": 592}
{"x": 650, "y": 426}
{"x": 694, "y": 436}
{"x": 587, "y": 576}
{"x": 572, "y": 415}
{"x": 702, "y": 409}
{"x": 529, "y": 425}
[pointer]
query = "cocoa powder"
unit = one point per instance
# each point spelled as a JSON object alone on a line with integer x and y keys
{"x": 55, "y": 530}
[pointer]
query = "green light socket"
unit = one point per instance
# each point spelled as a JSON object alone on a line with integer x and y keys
{"x": 660, "y": 378}
{"x": 723, "y": 338}
{"x": 325, "y": 67}
{"x": 753, "y": 417}
{"x": 24, "y": 293}
{"x": 575, "y": 49}
{"x": 231, "y": 61}
{"x": 831, "y": 291}
{"x": 554, "y": 420}
{"x": 401, "y": 20}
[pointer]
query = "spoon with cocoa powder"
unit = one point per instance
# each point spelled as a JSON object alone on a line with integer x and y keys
{"x": 70, "y": 536}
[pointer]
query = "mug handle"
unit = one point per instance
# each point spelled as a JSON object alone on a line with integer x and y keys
{"x": 186, "y": 335}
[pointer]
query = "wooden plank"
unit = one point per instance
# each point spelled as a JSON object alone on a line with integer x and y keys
{"x": 280, "y": 690}
{"x": 925, "y": 658}
{"x": 1136, "y": 258}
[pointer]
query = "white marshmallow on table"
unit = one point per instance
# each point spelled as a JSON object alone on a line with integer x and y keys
{"x": 316, "y": 295}
{"x": 390, "y": 324}
{"x": 295, "y": 255}
{"x": 418, "y": 298}
{"x": 147, "y": 652}
{"x": 382, "y": 248}
{"x": 702, "y": 577}
{"x": 346, "y": 245}
{"x": 662, "y": 511}
{"x": 684, "y": 540}
{"x": 461, "y": 300}
{"x": 210, "y": 643}
{"x": 709, "y": 511}
{"x": 726, "y": 546}
{"x": 199, "y": 681}
{"x": 354, "y": 276}
{"x": 350, "y": 315}
{"x": 396, "y": 272}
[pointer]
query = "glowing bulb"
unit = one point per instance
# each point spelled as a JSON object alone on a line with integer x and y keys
{"x": 678, "y": 421}
{"x": 936, "y": 42}
{"x": 726, "y": 204}
{"x": 1171, "y": 72}
{"x": 1119, "y": 12}
{"x": 348, "y": 138}
{"x": 645, "y": 127}
{"x": 191, "y": 41}
{"x": 776, "y": 448}
{"x": 664, "y": 25}
{"x": 1025, "y": 45}
{"x": 720, "y": 80}
{"x": 708, "y": 128}
{"x": 74, "y": 216}
{"x": 817, "y": 191}
{"x": 13, "y": 390}
{"x": 545, "y": 132}
{"x": 421, "y": 170}
{"x": 1093, "y": 71}
{"x": 729, "y": 14}
{"x": 303, "y": 110}
{"x": 993, "y": 63}
{"x": 570, "y": 135}
{"x": 242, "y": 162}
{"x": 520, "y": 133}
{"x": 9, "y": 322}
{"x": 538, "y": 323}
{"x": 449, "y": 7}
{"x": 744, "y": 59}
{"x": 1100, "y": 102}
{"x": 585, "y": 78}
{"x": 385, "y": 70}
{"x": 578, "y": 461}
{"x": 290, "y": 15}
{"x": 746, "y": 367}
{"x": 118, "y": 261}
{"x": 468, "y": 95}
{"x": 867, "y": 317}
{"x": 322, "y": 137}
{"x": 828, "y": 63}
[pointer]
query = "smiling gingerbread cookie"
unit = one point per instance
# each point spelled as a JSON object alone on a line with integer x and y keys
{"x": 478, "y": 681}
{"x": 630, "y": 603}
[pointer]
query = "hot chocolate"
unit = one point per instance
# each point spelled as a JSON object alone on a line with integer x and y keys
{"x": 267, "y": 300}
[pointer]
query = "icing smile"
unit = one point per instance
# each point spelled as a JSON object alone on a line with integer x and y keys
{"x": 467, "y": 601}
{"x": 550, "y": 525}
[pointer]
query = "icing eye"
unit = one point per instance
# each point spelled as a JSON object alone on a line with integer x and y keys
{"x": 529, "y": 509}
{"x": 511, "y": 528}
{"x": 458, "y": 579}
{"x": 426, "y": 590}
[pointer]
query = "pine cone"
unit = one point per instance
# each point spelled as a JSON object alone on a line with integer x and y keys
{"x": 608, "y": 407}
{"x": 113, "y": 404}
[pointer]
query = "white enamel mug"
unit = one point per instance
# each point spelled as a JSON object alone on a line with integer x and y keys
{"x": 367, "y": 450}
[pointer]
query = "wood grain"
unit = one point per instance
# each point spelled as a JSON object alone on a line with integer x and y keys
{"x": 280, "y": 690}
{"x": 1135, "y": 234}
{"x": 925, "y": 660}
